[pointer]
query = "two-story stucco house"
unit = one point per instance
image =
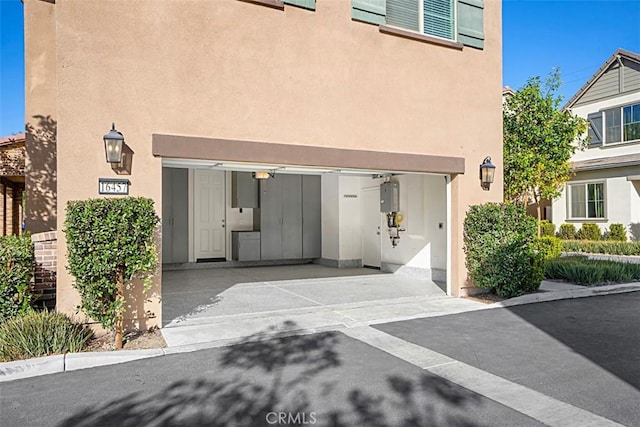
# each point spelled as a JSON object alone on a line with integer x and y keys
{"x": 269, "y": 130}
{"x": 606, "y": 186}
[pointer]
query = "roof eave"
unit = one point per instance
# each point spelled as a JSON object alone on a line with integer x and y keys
{"x": 618, "y": 53}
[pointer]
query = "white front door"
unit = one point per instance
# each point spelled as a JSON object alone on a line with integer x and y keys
{"x": 371, "y": 222}
{"x": 209, "y": 214}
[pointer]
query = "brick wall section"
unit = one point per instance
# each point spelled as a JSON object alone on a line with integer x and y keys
{"x": 46, "y": 250}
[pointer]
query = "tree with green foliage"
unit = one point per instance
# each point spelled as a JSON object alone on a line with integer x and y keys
{"x": 539, "y": 139}
{"x": 110, "y": 242}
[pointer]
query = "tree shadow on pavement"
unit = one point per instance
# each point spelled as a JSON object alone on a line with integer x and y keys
{"x": 298, "y": 376}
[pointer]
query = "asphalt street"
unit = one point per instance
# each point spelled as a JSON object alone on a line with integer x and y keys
{"x": 583, "y": 351}
{"x": 323, "y": 379}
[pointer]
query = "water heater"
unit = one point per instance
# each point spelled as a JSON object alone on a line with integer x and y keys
{"x": 389, "y": 197}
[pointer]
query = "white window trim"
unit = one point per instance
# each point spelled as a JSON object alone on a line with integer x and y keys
{"x": 570, "y": 216}
{"x": 604, "y": 125}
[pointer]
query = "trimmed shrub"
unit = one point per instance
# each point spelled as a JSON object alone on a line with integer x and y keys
{"x": 602, "y": 247}
{"x": 589, "y": 232}
{"x": 17, "y": 264}
{"x": 549, "y": 246}
{"x": 499, "y": 243}
{"x": 617, "y": 232}
{"x": 566, "y": 232}
{"x": 41, "y": 333}
{"x": 590, "y": 272}
{"x": 110, "y": 243}
{"x": 547, "y": 228}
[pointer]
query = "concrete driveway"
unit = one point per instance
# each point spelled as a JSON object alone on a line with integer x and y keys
{"x": 204, "y": 305}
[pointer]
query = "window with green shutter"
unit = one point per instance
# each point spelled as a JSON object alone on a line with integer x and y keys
{"x": 457, "y": 20}
{"x": 431, "y": 17}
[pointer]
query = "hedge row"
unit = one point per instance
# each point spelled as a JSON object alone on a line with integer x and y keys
{"x": 607, "y": 247}
{"x": 17, "y": 264}
{"x": 590, "y": 272}
{"x": 588, "y": 231}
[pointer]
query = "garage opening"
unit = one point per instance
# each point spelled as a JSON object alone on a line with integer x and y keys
{"x": 221, "y": 213}
{"x": 365, "y": 230}
{"x": 226, "y": 224}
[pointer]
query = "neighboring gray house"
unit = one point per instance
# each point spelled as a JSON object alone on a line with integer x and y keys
{"x": 606, "y": 186}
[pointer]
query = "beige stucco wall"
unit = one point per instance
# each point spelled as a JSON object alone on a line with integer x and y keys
{"x": 236, "y": 70}
{"x": 40, "y": 115}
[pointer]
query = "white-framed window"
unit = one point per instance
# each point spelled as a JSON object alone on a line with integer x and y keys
{"x": 622, "y": 124}
{"x": 431, "y": 17}
{"x": 586, "y": 200}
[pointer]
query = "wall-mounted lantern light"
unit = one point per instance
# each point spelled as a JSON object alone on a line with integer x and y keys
{"x": 263, "y": 175}
{"x": 487, "y": 172}
{"x": 113, "y": 145}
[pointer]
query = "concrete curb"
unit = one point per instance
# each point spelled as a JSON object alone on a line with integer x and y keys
{"x": 32, "y": 367}
{"x": 20, "y": 369}
{"x": 75, "y": 361}
{"x": 58, "y": 363}
{"x": 559, "y": 295}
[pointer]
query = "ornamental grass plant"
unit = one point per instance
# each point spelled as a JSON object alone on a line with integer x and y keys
{"x": 41, "y": 333}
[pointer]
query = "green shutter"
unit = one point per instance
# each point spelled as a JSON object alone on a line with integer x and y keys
{"x": 372, "y": 11}
{"x": 595, "y": 129}
{"x": 403, "y": 14}
{"x": 438, "y": 18}
{"x": 307, "y": 4}
{"x": 470, "y": 23}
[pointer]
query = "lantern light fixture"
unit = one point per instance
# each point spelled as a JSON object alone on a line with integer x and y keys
{"x": 487, "y": 173}
{"x": 113, "y": 142}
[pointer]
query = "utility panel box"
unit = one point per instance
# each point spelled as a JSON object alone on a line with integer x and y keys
{"x": 389, "y": 197}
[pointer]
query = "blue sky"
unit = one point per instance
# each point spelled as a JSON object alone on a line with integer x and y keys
{"x": 575, "y": 35}
{"x": 11, "y": 68}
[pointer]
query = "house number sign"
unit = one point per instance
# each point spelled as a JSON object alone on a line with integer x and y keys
{"x": 113, "y": 186}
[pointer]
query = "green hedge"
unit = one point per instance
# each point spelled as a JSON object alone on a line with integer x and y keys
{"x": 589, "y": 232}
{"x": 607, "y": 247}
{"x": 617, "y": 232}
{"x": 547, "y": 228}
{"x": 39, "y": 334}
{"x": 110, "y": 242}
{"x": 499, "y": 243}
{"x": 566, "y": 232}
{"x": 589, "y": 272}
{"x": 549, "y": 246}
{"x": 17, "y": 264}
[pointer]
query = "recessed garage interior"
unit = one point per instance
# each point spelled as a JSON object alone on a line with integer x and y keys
{"x": 228, "y": 224}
